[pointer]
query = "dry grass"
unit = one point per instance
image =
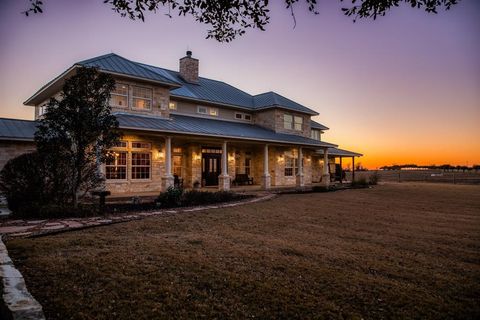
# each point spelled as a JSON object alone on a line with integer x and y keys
{"x": 395, "y": 251}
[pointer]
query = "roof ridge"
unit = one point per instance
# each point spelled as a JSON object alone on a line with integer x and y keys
{"x": 103, "y": 56}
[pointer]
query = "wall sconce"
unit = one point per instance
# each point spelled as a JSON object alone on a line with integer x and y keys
{"x": 196, "y": 156}
{"x": 160, "y": 154}
{"x": 231, "y": 157}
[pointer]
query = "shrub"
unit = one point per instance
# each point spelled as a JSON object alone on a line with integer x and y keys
{"x": 23, "y": 183}
{"x": 171, "y": 198}
{"x": 374, "y": 178}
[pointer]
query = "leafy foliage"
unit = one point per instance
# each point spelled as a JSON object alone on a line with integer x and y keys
{"x": 77, "y": 130}
{"x": 229, "y": 19}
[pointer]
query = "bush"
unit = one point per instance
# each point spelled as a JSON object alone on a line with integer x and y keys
{"x": 23, "y": 183}
{"x": 171, "y": 198}
{"x": 374, "y": 178}
{"x": 175, "y": 197}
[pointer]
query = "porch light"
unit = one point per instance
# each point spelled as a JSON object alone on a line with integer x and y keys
{"x": 160, "y": 154}
{"x": 196, "y": 156}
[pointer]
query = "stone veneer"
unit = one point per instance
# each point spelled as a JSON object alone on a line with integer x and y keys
{"x": 10, "y": 149}
{"x": 273, "y": 119}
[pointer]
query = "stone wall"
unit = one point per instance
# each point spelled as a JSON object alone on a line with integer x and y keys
{"x": 10, "y": 149}
{"x": 273, "y": 119}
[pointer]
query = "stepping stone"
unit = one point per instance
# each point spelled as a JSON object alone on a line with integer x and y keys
{"x": 20, "y": 234}
{"x": 56, "y": 227}
{"x": 73, "y": 224}
{"x": 104, "y": 221}
{"x": 35, "y": 221}
{"x": 51, "y": 224}
{"x": 14, "y": 229}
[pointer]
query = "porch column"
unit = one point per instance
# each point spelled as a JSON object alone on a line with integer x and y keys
{"x": 341, "y": 171}
{"x": 224, "y": 178}
{"x": 353, "y": 169}
{"x": 266, "y": 181}
{"x": 300, "y": 177}
{"x": 167, "y": 179}
{"x": 325, "y": 174}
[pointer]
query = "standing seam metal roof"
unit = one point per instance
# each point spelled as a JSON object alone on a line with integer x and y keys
{"x": 16, "y": 129}
{"x": 212, "y": 127}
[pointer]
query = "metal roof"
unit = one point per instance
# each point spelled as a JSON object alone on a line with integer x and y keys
{"x": 319, "y": 126}
{"x": 273, "y": 99}
{"x": 340, "y": 152}
{"x": 15, "y": 129}
{"x": 212, "y": 127}
{"x": 119, "y": 65}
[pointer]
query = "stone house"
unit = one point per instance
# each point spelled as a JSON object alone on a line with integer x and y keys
{"x": 180, "y": 127}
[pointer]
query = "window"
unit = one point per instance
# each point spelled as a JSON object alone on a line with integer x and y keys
{"x": 214, "y": 112}
{"x": 207, "y": 110}
{"x": 116, "y": 166}
{"x": 141, "y": 165}
{"x": 202, "y": 110}
{"x": 288, "y": 121}
{"x": 172, "y": 105}
{"x": 42, "y": 109}
{"x": 248, "y": 162}
{"x": 291, "y": 163}
{"x": 315, "y": 134}
{"x": 141, "y": 145}
{"x": 142, "y": 98}
{"x": 298, "y": 123}
{"x": 119, "y": 96}
{"x": 243, "y": 116}
{"x": 120, "y": 144}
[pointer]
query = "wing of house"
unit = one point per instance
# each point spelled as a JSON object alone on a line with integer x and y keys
{"x": 178, "y": 126}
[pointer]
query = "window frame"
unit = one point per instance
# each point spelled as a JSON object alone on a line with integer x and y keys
{"x": 243, "y": 116}
{"x": 113, "y": 93}
{"x": 202, "y": 107}
{"x": 315, "y": 134}
{"x": 134, "y": 166}
{"x": 295, "y": 123}
{"x": 285, "y": 122}
{"x": 134, "y": 97}
{"x": 107, "y": 166}
{"x": 174, "y": 104}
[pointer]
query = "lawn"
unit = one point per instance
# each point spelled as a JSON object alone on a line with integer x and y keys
{"x": 394, "y": 251}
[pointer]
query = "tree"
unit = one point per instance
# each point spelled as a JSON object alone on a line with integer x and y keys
{"x": 229, "y": 19}
{"x": 77, "y": 131}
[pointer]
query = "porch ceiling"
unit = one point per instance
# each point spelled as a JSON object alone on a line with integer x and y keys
{"x": 179, "y": 124}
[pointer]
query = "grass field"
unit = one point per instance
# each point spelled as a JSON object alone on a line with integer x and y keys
{"x": 394, "y": 251}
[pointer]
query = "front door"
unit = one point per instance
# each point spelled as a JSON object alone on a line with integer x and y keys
{"x": 211, "y": 168}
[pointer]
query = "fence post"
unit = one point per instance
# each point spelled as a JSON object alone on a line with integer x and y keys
{"x": 398, "y": 176}
{"x": 454, "y": 178}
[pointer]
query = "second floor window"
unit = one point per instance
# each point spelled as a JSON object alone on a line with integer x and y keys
{"x": 142, "y": 98}
{"x": 298, "y": 123}
{"x": 315, "y": 134}
{"x": 119, "y": 96}
{"x": 172, "y": 105}
{"x": 288, "y": 121}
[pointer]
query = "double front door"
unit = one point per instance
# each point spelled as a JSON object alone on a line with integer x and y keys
{"x": 211, "y": 167}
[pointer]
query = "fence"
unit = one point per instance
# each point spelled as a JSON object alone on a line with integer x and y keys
{"x": 472, "y": 177}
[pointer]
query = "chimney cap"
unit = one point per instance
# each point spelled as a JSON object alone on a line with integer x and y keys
{"x": 189, "y": 53}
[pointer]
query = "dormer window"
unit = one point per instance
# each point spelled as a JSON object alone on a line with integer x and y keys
{"x": 288, "y": 121}
{"x": 142, "y": 98}
{"x": 214, "y": 112}
{"x": 291, "y": 122}
{"x": 172, "y": 105}
{"x": 119, "y": 96}
{"x": 202, "y": 110}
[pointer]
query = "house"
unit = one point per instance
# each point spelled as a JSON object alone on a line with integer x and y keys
{"x": 178, "y": 126}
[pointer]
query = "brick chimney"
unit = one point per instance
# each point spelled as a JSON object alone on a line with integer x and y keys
{"x": 189, "y": 68}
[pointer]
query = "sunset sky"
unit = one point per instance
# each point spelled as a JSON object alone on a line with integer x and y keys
{"x": 402, "y": 89}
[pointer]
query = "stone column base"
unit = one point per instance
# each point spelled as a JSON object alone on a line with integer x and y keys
{"x": 300, "y": 180}
{"x": 224, "y": 182}
{"x": 325, "y": 180}
{"x": 167, "y": 181}
{"x": 266, "y": 182}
